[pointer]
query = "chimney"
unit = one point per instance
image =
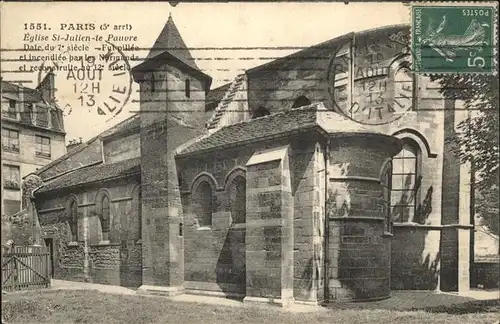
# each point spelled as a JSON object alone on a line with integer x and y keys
{"x": 47, "y": 88}
{"x": 72, "y": 144}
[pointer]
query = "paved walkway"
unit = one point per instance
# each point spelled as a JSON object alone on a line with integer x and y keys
{"x": 399, "y": 301}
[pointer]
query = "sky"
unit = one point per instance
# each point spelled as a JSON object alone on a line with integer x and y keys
{"x": 220, "y": 35}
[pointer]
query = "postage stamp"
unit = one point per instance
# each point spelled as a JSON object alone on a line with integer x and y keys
{"x": 454, "y": 37}
{"x": 241, "y": 151}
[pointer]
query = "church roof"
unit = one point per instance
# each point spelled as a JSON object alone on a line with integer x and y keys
{"x": 307, "y": 118}
{"x": 170, "y": 41}
{"x": 92, "y": 174}
{"x": 259, "y": 128}
{"x": 126, "y": 125}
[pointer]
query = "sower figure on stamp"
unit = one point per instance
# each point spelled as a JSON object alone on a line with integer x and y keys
{"x": 447, "y": 45}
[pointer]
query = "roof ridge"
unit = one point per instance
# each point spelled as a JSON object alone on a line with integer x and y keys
{"x": 279, "y": 113}
{"x": 79, "y": 148}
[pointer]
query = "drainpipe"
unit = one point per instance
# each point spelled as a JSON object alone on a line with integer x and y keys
{"x": 34, "y": 218}
{"x": 326, "y": 241}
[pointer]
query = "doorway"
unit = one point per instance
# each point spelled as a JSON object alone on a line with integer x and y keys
{"x": 49, "y": 244}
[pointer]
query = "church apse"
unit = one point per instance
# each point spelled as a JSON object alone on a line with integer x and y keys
{"x": 359, "y": 238}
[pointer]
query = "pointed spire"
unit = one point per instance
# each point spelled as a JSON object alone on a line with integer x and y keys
{"x": 170, "y": 40}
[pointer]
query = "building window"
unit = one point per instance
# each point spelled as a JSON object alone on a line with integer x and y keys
{"x": 9, "y": 108}
{"x": 205, "y": 204}
{"x": 153, "y": 82}
{"x": 72, "y": 211}
{"x": 54, "y": 119}
{"x": 300, "y": 102}
{"x": 405, "y": 182}
{"x": 261, "y": 112}
{"x": 10, "y": 140}
{"x": 238, "y": 200}
{"x": 28, "y": 112}
{"x": 11, "y": 177}
{"x": 42, "y": 117}
{"x": 42, "y": 146}
{"x": 105, "y": 217}
{"x": 386, "y": 196}
{"x": 187, "y": 88}
{"x": 11, "y": 207}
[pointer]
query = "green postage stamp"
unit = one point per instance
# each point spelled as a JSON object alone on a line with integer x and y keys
{"x": 454, "y": 37}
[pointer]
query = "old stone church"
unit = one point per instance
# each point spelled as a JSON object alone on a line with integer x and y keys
{"x": 320, "y": 176}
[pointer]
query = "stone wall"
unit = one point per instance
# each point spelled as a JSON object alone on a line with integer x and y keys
{"x": 122, "y": 148}
{"x": 322, "y": 74}
{"x": 487, "y": 274}
{"x": 117, "y": 261}
{"x": 359, "y": 238}
{"x": 268, "y": 239}
{"x": 170, "y": 117}
{"x": 309, "y": 196}
{"x": 214, "y": 256}
{"x": 415, "y": 258}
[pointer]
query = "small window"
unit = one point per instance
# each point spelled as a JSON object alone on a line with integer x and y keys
{"x": 237, "y": 198}
{"x": 261, "y": 112}
{"x": 11, "y": 177}
{"x": 28, "y": 112}
{"x": 187, "y": 88}
{"x": 205, "y": 206}
{"x": 10, "y": 140}
{"x": 54, "y": 119}
{"x": 9, "y": 108}
{"x": 104, "y": 216}
{"x": 73, "y": 218}
{"x": 42, "y": 117}
{"x": 300, "y": 102}
{"x": 153, "y": 82}
{"x": 42, "y": 146}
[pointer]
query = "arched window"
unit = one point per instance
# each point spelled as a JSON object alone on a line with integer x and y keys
{"x": 72, "y": 211}
{"x": 301, "y": 101}
{"x": 238, "y": 200}
{"x": 104, "y": 216}
{"x": 260, "y": 112}
{"x": 204, "y": 196}
{"x": 405, "y": 182}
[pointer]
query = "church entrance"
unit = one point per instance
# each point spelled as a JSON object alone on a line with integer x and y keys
{"x": 231, "y": 267}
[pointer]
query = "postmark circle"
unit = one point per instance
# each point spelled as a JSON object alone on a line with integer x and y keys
{"x": 101, "y": 84}
{"x": 377, "y": 92}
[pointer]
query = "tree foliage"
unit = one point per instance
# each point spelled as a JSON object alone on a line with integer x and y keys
{"x": 477, "y": 136}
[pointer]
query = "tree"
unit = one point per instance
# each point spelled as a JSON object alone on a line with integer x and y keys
{"x": 477, "y": 136}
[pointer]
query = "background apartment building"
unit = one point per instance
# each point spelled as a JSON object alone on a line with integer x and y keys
{"x": 32, "y": 136}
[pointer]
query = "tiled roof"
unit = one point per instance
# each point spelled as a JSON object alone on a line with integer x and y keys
{"x": 127, "y": 124}
{"x": 258, "y": 128}
{"x": 170, "y": 40}
{"x": 216, "y": 95}
{"x": 91, "y": 174}
{"x": 30, "y": 95}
